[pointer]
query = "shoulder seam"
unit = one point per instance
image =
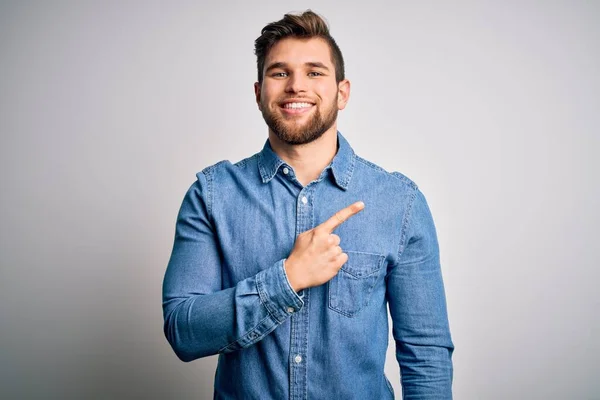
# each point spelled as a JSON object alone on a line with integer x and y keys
{"x": 242, "y": 163}
{"x": 414, "y": 189}
{"x": 208, "y": 174}
{"x": 401, "y": 177}
{"x": 370, "y": 164}
{"x": 404, "y": 179}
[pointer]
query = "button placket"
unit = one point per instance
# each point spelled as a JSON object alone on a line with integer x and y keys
{"x": 299, "y": 319}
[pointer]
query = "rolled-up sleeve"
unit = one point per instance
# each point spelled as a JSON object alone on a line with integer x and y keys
{"x": 418, "y": 308}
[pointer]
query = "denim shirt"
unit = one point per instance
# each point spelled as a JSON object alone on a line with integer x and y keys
{"x": 226, "y": 292}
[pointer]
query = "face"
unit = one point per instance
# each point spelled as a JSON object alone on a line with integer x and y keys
{"x": 299, "y": 97}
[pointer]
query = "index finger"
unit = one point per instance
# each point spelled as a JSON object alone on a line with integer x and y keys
{"x": 339, "y": 217}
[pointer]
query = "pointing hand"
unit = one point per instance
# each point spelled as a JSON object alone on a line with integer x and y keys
{"x": 317, "y": 256}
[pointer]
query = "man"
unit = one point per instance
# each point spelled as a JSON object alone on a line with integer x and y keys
{"x": 284, "y": 263}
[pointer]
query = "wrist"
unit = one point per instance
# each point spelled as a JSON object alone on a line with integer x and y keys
{"x": 293, "y": 280}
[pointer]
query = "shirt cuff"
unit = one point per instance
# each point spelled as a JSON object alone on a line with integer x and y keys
{"x": 276, "y": 293}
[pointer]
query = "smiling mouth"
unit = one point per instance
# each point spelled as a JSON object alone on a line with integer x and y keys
{"x": 296, "y": 107}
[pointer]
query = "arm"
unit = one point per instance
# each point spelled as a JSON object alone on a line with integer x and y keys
{"x": 418, "y": 309}
{"x": 200, "y": 318}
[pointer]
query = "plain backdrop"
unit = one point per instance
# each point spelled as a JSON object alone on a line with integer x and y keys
{"x": 109, "y": 108}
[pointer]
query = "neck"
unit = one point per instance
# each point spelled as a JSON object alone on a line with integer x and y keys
{"x": 310, "y": 159}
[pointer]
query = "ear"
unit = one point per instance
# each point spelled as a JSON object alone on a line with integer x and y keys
{"x": 257, "y": 93}
{"x": 343, "y": 94}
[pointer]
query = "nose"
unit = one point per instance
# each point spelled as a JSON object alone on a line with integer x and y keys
{"x": 296, "y": 83}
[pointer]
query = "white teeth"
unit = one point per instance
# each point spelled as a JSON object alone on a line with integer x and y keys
{"x": 297, "y": 105}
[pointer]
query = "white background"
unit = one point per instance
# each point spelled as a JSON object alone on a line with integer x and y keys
{"x": 108, "y": 109}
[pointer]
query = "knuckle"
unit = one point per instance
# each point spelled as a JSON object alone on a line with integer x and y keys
{"x": 324, "y": 235}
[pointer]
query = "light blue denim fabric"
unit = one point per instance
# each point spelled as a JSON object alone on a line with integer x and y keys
{"x": 226, "y": 292}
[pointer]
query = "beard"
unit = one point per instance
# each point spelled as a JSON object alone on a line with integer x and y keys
{"x": 291, "y": 133}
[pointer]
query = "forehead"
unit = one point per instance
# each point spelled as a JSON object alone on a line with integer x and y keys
{"x": 300, "y": 51}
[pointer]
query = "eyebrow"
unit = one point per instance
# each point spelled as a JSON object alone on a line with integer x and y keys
{"x": 316, "y": 64}
{"x": 282, "y": 65}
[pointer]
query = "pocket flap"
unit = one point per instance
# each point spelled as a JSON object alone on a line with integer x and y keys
{"x": 361, "y": 264}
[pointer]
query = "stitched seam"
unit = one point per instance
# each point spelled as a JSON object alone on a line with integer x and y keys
{"x": 399, "y": 176}
{"x": 406, "y": 222}
{"x": 264, "y": 300}
{"x": 260, "y": 164}
{"x": 351, "y": 314}
{"x": 404, "y": 179}
{"x": 350, "y": 171}
{"x": 208, "y": 173}
{"x": 245, "y": 161}
{"x": 371, "y": 165}
{"x": 379, "y": 265}
{"x": 364, "y": 252}
{"x": 237, "y": 341}
{"x": 209, "y": 200}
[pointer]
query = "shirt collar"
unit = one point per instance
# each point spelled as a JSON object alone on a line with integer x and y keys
{"x": 342, "y": 164}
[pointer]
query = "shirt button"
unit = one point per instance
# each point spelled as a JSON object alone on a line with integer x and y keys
{"x": 298, "y": 359}
{"x": 304, "y": 200}
{"x": 286, "y": 171}
{"x": 291, "y": 309}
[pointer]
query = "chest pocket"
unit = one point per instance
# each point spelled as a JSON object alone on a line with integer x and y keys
{"x": 350, "y": 290}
